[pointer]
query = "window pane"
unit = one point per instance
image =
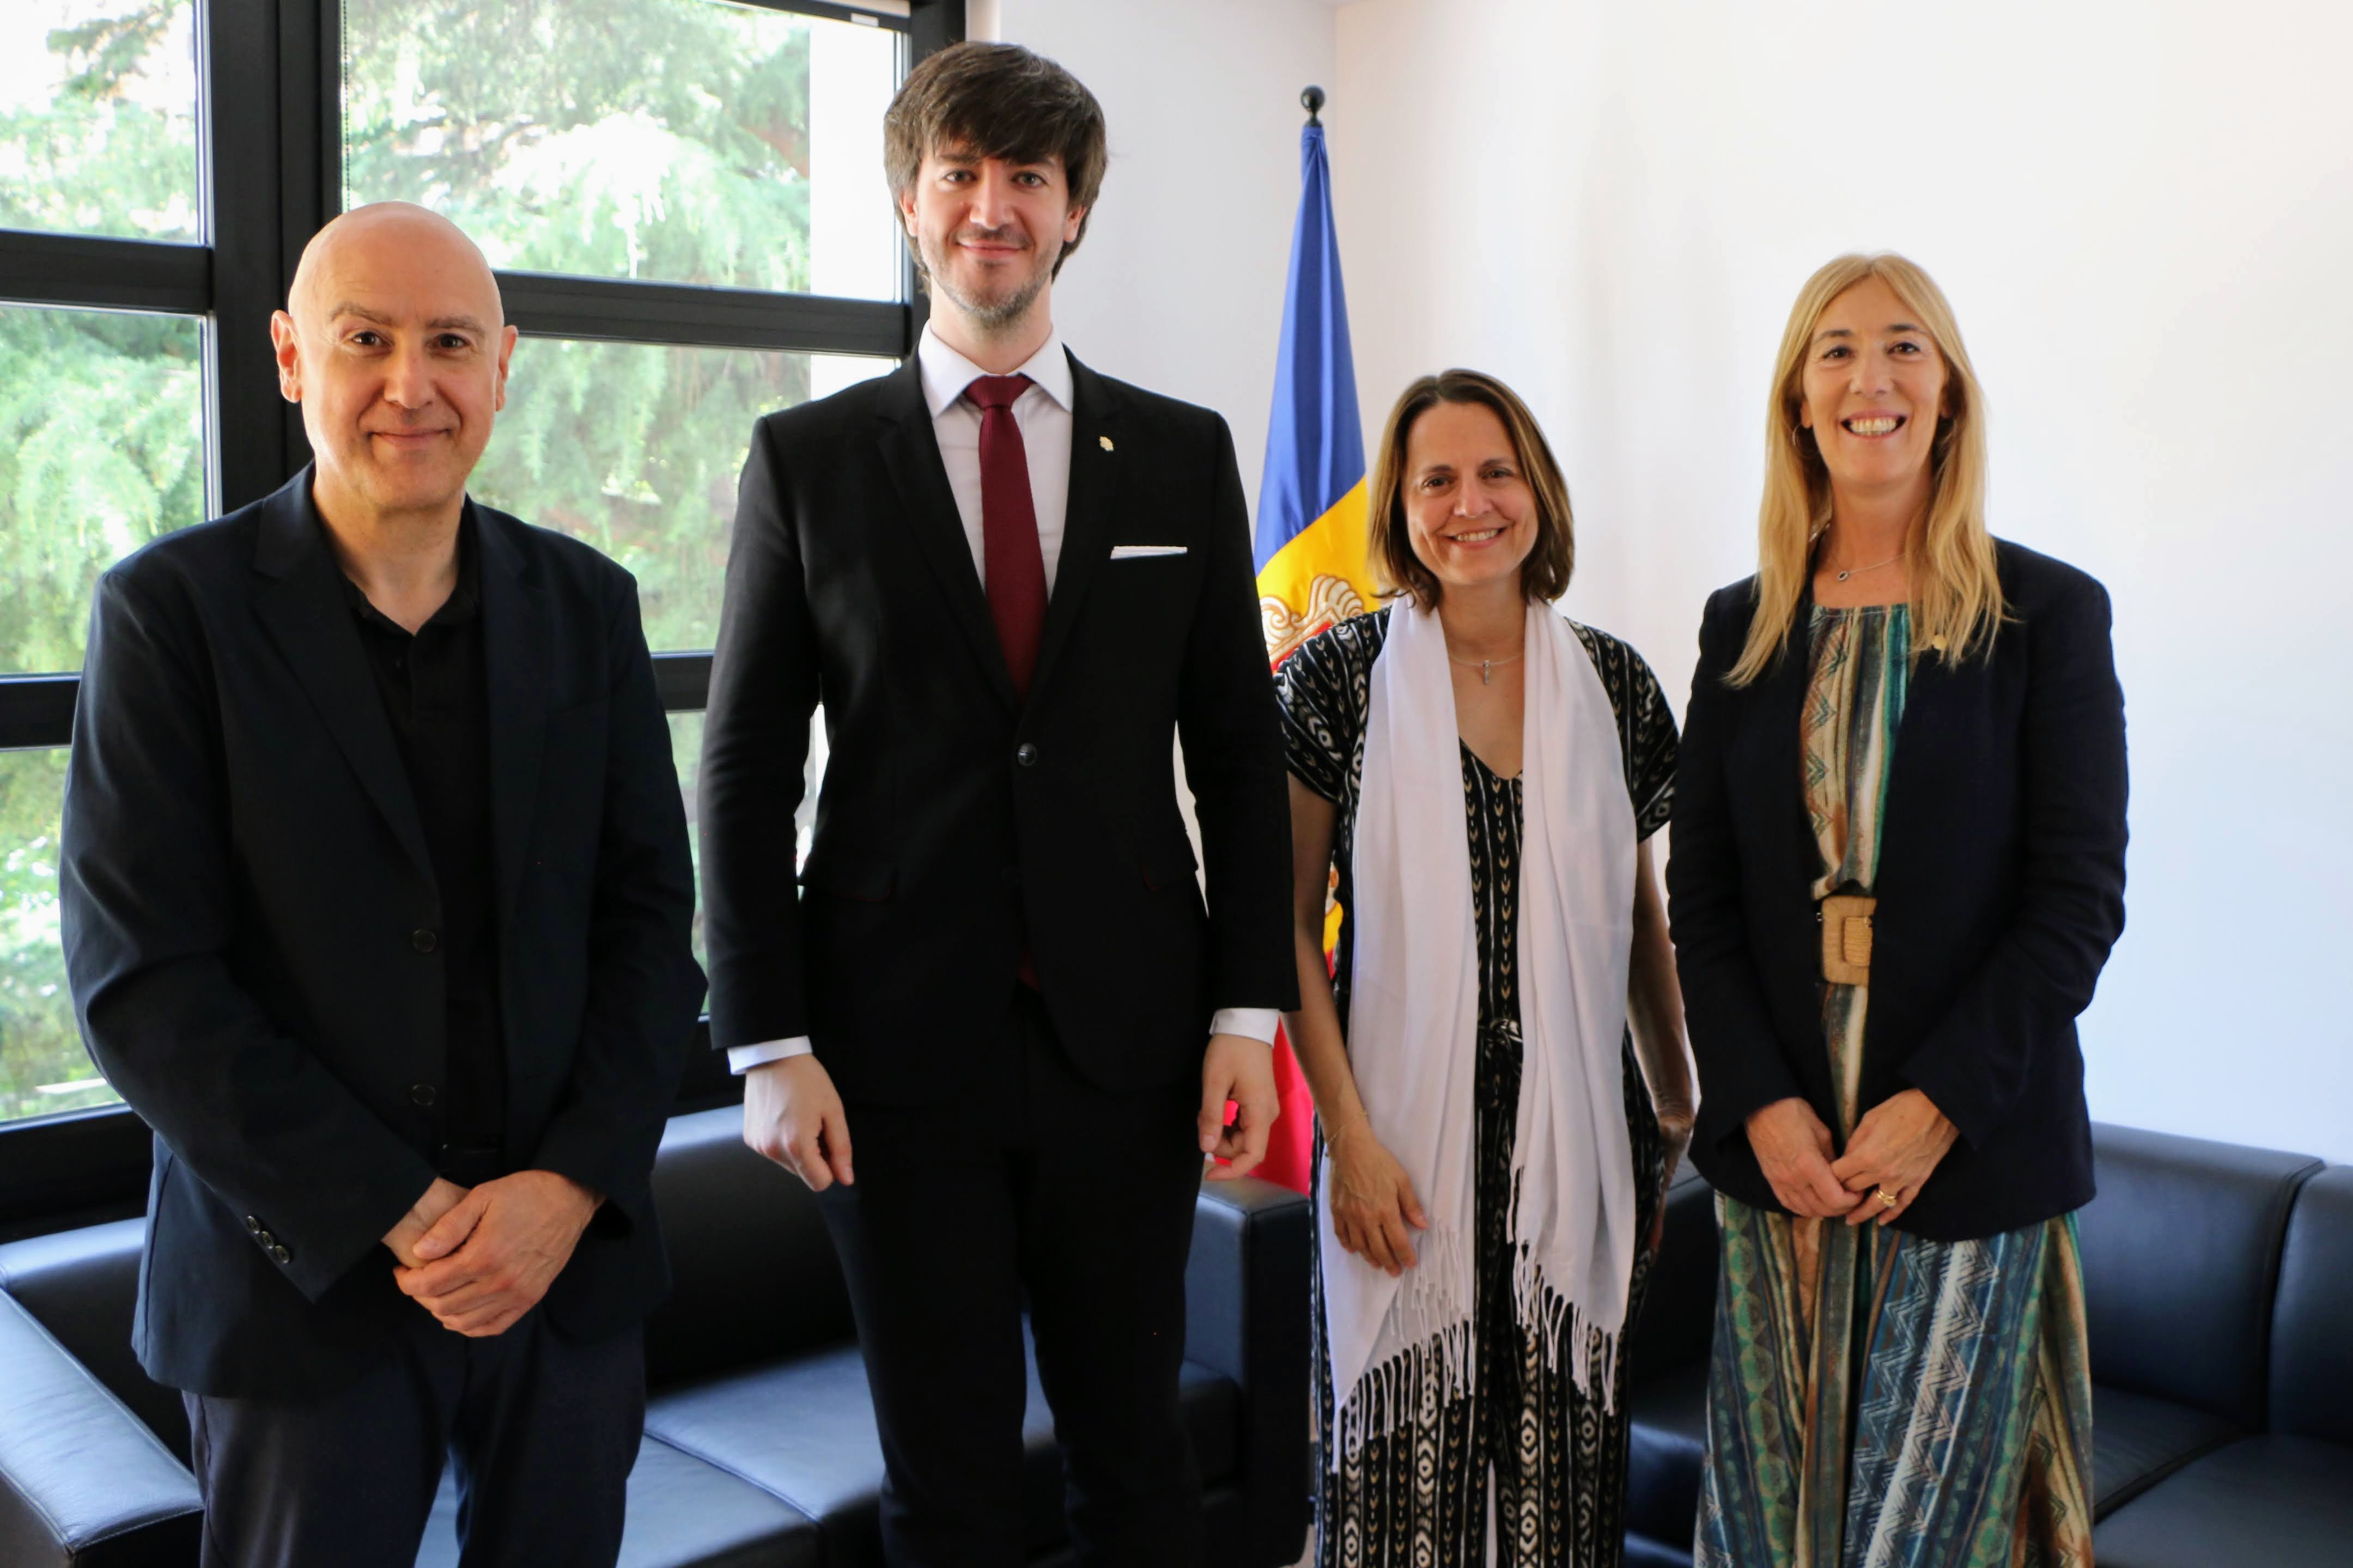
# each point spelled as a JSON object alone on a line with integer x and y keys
{"x": 97, "y": 118}
{"x": 674, "y": 141}
{"x": 686, "y": 754}
{"x": 43, "y": 1068}
{"x": 101, "y": 449}
{"x": 636, "y": 450}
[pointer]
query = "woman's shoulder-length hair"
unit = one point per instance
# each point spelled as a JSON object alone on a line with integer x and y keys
{"x": 1957, "y": 599}
{"x": 1545, "y": 574}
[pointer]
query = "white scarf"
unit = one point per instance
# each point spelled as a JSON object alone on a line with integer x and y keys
{"x": 1413, "y": 1030}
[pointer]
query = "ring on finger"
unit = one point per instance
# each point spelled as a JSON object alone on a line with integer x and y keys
{"x": 1887, "y": 1199}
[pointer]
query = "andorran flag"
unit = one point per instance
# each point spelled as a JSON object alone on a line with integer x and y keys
{"x": 1312, "y": 567}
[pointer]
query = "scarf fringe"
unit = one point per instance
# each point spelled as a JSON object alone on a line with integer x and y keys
{"x": 1388, "y": 1397}
{"x": 1561, "y": 1323}
{"x": 1439, "y": 1365}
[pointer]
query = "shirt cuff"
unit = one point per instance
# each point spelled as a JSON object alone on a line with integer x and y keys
{"x": 1251, "y": 1023}
{"x": 742, "y": 1059}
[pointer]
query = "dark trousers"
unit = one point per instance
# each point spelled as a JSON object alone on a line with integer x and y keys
{"x": 542, "y": 1431}
{"x": 1028, "y": 1184}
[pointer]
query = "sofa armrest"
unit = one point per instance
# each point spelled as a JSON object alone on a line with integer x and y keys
{"x": 82, "y": 1480}
{"x": 1246, "y": 1306}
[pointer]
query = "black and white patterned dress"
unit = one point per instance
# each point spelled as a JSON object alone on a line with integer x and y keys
{"x": 1417, "y": 1498}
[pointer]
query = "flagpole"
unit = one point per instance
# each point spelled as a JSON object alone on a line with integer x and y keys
{"x": 1312, "y": 98}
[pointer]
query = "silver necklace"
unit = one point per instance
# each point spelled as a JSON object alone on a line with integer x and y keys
{"x": 1486, "y": 667}
{"x": 1872, "y": 567}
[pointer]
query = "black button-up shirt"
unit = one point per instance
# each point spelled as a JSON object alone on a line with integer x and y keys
{"x": 435, "y": 693}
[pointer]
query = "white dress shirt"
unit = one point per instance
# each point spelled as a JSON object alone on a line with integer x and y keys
{"x": 1042, "y": 412}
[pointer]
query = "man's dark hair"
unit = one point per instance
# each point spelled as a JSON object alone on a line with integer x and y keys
{"x": 997, "y": 100}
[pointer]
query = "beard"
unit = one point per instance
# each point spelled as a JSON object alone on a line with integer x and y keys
{"x": 995, "y": 309}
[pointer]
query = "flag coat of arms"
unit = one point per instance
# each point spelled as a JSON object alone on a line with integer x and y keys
{"x": 1311, "y": 544}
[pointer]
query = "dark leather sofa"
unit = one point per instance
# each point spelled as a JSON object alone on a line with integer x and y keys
{"x": 2219, "y": 1285}
{"x": 760, "y": 1447}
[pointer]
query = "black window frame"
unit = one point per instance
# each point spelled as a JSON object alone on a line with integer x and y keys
{"x": 269, "y": 95}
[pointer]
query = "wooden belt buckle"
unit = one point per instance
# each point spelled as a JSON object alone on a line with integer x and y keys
{"x": 1846, "y": 939}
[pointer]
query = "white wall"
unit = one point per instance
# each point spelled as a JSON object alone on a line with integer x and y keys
{"x": 2143, "y": 214}
{"x": 1179, "y": 287}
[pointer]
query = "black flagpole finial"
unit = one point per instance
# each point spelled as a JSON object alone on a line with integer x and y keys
{"x": 1312, "y": 99}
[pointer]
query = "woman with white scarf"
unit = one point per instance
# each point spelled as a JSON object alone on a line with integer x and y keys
{"x": 1479, "y": 773}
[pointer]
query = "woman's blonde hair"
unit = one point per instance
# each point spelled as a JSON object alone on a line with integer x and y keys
{"x": 1544, "y": 575}
{"x": 1957, "y": 602}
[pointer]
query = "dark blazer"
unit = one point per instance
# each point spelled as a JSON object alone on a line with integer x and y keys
{"x": 2001, "y": 890}
{"x": 952, "y": 818}
{"x": 248, "y": 907}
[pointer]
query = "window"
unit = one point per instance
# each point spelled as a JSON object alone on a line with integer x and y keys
{"x": 97, "y": 118}
{"x": 677, "y": 140}
{"x": 682, "y": 199}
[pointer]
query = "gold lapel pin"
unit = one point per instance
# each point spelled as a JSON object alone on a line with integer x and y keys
{"x": 1106, "y": 442}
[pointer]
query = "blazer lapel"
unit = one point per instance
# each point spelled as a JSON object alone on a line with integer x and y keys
{"x": 519, "y": 670}
{"x": 1087, "y": 516}
{"x": 911, "y": 454}
{"x": 303, "y": 609}
{"x": 1779, "y": 735}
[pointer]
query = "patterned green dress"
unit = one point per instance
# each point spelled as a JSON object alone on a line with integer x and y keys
{"x": 1875, "y": 1398}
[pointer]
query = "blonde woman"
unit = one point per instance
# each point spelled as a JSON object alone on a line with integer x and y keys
{"x": 1899, "y": 840}
{"x": 1483, "y": 774}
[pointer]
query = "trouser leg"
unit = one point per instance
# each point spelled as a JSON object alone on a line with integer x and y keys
{"x": 546, "y": 1434}
{"x": 1109, "y": 1183}
{"x": 342, "y": 1480}
{"x": 928, "y": 1246}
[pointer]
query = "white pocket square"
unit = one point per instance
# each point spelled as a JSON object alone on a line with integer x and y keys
{"x": 1139, "y": 551}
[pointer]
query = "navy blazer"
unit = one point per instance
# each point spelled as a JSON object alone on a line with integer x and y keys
{"x": 2001, "y": 890}
{"x": 958, "y": 822}
{"x": 248, "y": 906}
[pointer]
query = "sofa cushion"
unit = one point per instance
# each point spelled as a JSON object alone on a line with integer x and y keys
{"x": 2263, "y": 1502}
{"x": 803, "y": 1429}
{"x": 2181, "y": 1252}
{"x": 1664, "y": 1443}
{"x": 683, "y": 1513}
{"x": 84, "y": 1285}
{"x": 2138, "y": 1441}
{"x": 2312, "y": 1320}
{"x": 753, "y": 1271}
{"x": 82, "y": 1481}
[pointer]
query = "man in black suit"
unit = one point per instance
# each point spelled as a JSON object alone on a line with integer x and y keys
{"x": 377, "y": 901}
{"x": 1010, "y": 580}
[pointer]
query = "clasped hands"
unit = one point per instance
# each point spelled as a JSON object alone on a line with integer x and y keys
{"x": 478, "y": 1259}
{"x": 1896, "y": 1147}
{"x": 793, "y": 1115}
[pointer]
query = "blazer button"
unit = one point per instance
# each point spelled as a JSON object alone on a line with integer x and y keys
{"x": 421, "y": 1094}
{"x": 267, "y": 1240}
{"x": 278, "y": 1255}
{"x": 422, "y": 940}
{"x": 1026, "y": 753}
{"x": 252, "y": 1226}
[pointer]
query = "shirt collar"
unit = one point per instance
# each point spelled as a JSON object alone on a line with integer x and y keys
{"x": 947, "y": 373}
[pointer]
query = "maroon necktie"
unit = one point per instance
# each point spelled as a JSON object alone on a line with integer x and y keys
{"x": 1011, "y": 562}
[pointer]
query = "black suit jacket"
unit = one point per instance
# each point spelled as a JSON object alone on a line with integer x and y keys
{"x": 954, "y": 819}
{"x": 247, "y": 902}
{"x": 2001, "y": 890}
